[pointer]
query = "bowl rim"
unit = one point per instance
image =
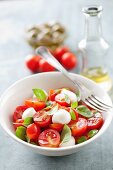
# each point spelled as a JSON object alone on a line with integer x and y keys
{"x": 101, "y": 131}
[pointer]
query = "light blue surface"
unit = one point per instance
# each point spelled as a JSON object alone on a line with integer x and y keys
{"x": 15, "y": 17}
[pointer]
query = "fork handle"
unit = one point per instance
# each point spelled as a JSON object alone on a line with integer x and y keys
{"x": 44, "y": 52}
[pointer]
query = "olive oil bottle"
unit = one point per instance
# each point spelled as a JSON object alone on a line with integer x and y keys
{"x": 94, "y": 48}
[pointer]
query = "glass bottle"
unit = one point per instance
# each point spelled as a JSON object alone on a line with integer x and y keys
{"x": 94, "y": 48}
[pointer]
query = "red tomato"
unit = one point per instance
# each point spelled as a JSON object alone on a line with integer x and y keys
{"x": 32, "y": 62}
{"x": 65, "y": 108}
{"x": 60, "y": 99}
{"x": 56, "y": 126}
{"x": 95, "y": 122}
{"x": 44, "y": 66}
{"x": 37, "y": 105}
{"x": 19, "y": 122}
{"x": 33, "y": 131}
{"x": 78, "y": 128}
{"x": 69, "y": 60}
{"x": 34, "y": 141}
{"x": 52, "y": 94}
{"x": 42, "y": 119}
{"x": 49, "y": 138}
{"x": 60, "y": 51}
{"x": 18, "y": 112}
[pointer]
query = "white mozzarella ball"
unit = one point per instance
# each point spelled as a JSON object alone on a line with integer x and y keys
{"x": 61, "y": 116}
{"x": 71, "y": 142}
{"x": 72, "y": 96}
{"x": 28, "y": 113}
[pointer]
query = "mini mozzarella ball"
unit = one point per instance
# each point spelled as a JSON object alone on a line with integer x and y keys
{"x": 72, "y": 96}
{"x": 61, "y": 116}
{"x": 28, "y": 113}
{"x": 71, "y": 142}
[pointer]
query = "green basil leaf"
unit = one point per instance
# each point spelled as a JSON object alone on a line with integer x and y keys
{"x": 21, "y": 132}
{"x": 40, "y": 94}
{"x": 53, "y": 110}
{"x": 65, "y": 134}
{"x": 49, "y": 103}
{"x": 74, "y": 105}
{"x": 28, "y": 139}
{"x": 72, "y": 113}
{"x": 81, "y": 139}
{"x": 67, "y": 99}
{"x": 84, "y": 111}
{"x": 28, "y": 121}
{"x": 92, "y": 133}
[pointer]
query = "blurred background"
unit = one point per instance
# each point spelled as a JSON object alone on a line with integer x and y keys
{"x": 16, "y": 17}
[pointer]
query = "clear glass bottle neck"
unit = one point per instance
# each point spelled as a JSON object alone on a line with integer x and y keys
{"x": 93, "y": 29}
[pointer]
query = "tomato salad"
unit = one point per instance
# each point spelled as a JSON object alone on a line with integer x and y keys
{"x": 56, "y": 119}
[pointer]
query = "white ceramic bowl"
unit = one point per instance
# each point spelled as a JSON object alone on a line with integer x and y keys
{"x": 22, "y": 89}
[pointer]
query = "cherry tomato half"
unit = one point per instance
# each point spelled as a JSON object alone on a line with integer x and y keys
{"x": 78, "y": 128}
{"x": 19, "y": 122}
{"x": 56, "y": 126}
{"x": 95, "y": 122}
{"x": 60, "y": 99}
{"x": 52, "y": 94}
{"x": 49, "y": 138}
{"x": 69, "y": 60}
{"x": 32, "y": 62}
{"x": 42, "y": 119}
{"x": 65, "y": 108}
{"x": 37, "y": 105}
{"x": 58, "y": 53}
{"x": 44, "y": 66}
{"x": 18, "y": 112}
{"x": 33, "y": 131}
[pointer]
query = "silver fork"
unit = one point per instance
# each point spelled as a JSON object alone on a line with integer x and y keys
{"x": 86, "y": 95}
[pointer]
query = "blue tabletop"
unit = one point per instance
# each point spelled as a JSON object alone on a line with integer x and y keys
{"x": 15, "y": 17}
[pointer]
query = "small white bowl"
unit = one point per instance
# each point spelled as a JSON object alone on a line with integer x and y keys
{"x": 22, "y": 89}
